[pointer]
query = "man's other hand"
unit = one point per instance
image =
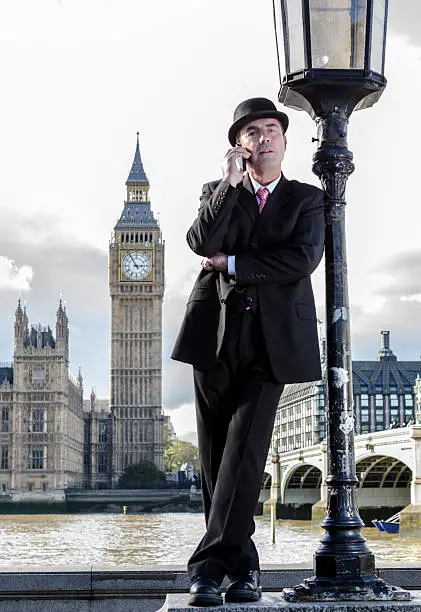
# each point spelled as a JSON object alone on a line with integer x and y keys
{"x": 230, "y": 170}
{"x": 219, "y": 262}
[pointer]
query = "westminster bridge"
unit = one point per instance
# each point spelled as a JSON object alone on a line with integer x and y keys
{"x": 388, "y": 466}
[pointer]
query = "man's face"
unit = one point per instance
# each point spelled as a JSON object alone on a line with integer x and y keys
{"x": 265, "y": 141}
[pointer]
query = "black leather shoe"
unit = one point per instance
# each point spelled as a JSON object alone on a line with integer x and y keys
{"x": 244, "y": 588}
{"x": 205, "y": 592}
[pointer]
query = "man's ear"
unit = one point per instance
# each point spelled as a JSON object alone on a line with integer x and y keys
{"x": 285, "y": 140}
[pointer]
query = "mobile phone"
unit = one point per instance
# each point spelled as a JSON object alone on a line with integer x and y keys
{"x": 241, "y": 163}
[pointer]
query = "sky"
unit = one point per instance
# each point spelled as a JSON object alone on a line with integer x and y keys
{"x": 79, "y": 79}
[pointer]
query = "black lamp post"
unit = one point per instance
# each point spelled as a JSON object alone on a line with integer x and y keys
{"x": 334, "y": 64}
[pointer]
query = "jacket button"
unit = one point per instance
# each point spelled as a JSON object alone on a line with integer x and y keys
{"x": 254, "y": 245}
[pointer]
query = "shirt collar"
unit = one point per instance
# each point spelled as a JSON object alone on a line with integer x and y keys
{"x": 270, "y": 187}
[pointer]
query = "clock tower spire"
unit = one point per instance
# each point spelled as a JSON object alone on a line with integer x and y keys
{"x": 136, "y": 282}
{"x": 137, "y": 183}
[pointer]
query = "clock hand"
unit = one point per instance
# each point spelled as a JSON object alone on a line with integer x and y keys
{"x": 133, "y": 260}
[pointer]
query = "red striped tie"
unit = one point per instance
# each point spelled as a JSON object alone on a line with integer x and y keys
{"x": 263, "y": 194}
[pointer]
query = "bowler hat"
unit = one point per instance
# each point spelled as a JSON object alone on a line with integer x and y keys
{"x": 255, "y": 108}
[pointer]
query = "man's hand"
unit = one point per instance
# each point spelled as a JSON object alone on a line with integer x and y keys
{"x": 219, "y": 262}
{"x": 230, "y": 170}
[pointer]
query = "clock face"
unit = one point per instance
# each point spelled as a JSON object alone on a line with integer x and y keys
{"x": 136, "y": 265}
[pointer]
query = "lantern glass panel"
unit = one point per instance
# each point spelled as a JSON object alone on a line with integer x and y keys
{"x": 377, "y": 36}
{"x": 338, "y": 29}
{"x": 294, "y": 35}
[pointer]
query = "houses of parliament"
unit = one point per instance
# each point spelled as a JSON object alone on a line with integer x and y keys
{"x": 51, "y": 439}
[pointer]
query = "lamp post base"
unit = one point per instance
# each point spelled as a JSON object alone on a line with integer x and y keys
{"x": 316, "y": 589}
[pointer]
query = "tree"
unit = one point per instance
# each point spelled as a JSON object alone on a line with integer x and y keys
{"x": 180, "y": 452}
{"x": 142, "y": 475}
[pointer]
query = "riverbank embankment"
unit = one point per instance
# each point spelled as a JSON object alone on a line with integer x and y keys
{"x": 144, "y": 590}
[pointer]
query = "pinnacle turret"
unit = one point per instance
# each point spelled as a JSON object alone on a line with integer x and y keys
{"x": 62, "y": 329}
{"x": 62, "y": 320}
{"x": 93, "y": 399}
{"x": 21, "y": 326}
{"x": 19, "y": 311}
{"x": 80, "y": 378}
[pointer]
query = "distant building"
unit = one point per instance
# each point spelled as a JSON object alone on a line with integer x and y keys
{"x": 300, "y": 418}
{"x": 384, "y": 390}
{"x": 98, "y": 443}
{"x": 41, "y": 408}
{"x": 384, "y": 397}
{"x": 169, "y": 431}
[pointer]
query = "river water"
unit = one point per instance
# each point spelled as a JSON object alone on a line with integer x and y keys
{"x": 147, "y": 540}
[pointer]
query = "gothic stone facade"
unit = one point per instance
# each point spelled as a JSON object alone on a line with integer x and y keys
{"x": 41, "y": 407}
{"x": 136, "y": 282}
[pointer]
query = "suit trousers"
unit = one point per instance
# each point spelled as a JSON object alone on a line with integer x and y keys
{"x": 236, "y": 402}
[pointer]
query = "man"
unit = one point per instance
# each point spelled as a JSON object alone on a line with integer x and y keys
{"x": 250, "y": 327}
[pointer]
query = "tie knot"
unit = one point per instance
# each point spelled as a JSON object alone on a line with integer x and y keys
{"x": 263, "y": 194}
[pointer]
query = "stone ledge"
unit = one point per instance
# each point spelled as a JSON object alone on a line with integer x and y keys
{"x": 155, "y": 581}
{"x": 273, "y": 602}
{"x": 115, "y": 589}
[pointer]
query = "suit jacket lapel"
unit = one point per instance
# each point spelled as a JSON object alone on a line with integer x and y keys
{"x": 277, "y": 199}
{"x": 247, "y": 198}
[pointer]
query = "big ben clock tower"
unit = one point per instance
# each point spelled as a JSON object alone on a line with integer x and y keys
{"x": 136, "y": 279}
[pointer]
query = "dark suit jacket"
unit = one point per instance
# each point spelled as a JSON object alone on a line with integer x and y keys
{"x": 275, "y": 251}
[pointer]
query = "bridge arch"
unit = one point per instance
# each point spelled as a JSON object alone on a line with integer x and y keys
{"x": 301, "y": 484}
{"x": 265, "y": 489}
{"x": 384, "y": 480}
{"x": 398, "y": 451}
{"x": 266, "y": 481}
{"x": 383, "y": 471}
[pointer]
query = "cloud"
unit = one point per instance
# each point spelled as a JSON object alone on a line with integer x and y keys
{"x": 184, "y": 422}
{"x": 404, "y": 18}
{"x": 13, "y": 276}
{"x": 398, "y": 311}
{"x": 411, "y": 298}
{"x": 178, "y": 377}
{"x": 189, "y": 436}
{"x": 403, "y": 275}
